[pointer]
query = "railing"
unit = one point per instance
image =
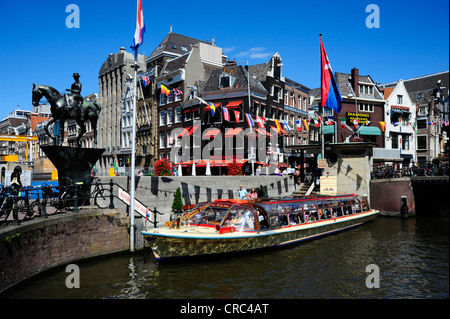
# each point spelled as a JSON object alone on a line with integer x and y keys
{"x": 30, "y": 202}
{"x": 429, "y": 169}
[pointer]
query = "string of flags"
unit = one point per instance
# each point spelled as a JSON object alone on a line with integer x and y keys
{"x": 166, "y": 91}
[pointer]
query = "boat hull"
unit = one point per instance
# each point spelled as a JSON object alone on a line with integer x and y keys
{"x": 189, "y": 242}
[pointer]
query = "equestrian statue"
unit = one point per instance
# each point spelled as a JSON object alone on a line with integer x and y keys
{"x": 68, "y": 106}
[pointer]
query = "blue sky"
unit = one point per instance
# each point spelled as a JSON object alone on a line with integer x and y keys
{"x": 36, "y": 46}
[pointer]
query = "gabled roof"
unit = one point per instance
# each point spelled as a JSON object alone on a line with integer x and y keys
{"x": 176, "y": 63}
{"x": 173, "y": 44}
{"x": 343, "y": 81}
{"x": 240, "y": 79}
{"x": 421, "y": 88}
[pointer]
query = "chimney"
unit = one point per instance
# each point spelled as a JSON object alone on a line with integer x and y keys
{"x": 355, "y": 80}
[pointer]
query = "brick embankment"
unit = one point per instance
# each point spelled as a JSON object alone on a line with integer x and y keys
{"x": 37, "y": 245}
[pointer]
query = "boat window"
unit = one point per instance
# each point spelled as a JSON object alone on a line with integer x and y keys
{"x": 324, "y": 210}
{"x": 241, "y": 218}
{"x": 262, "y": 217}
{"x": 311, "y": 213}
{"x": 356, "y": 206}
{"x": 295, "y": 212}
{"x": 210, "y": 215}
{"x": 347, "y": 207}
{"x": 365, "y": 205}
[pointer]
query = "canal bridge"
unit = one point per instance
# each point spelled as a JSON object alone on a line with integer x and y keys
{"x": 426, "y": 195}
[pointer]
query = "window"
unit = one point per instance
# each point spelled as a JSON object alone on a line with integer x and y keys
{"x": 421, "y": 124}
{"x": 162, "y": 99}
{"x": 405, "y": 119}
{"x": 366, "y": 89}
{"x": 169, "y": 116}
{"x": 162, "y": 118}
{"x": 184, "y": 48}
{"x": 405, "y": 142}
{"x": 422, "y": 142}
{"x": 162, "y": 140}
{"x": 394, "y": 140}
{"x": 225, "y": 81}
{"x": 173, "y": 45}
{"x": 365, "y": 107}
{"x": 170, "y": 98}
{"x": 178, "y": 115}
{"x": 399, "y": 99}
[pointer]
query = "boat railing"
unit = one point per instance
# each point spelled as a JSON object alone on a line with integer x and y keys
{"x": 177, "y": 222}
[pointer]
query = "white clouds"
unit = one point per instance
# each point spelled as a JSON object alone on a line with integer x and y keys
{"x": 255, "y": 53}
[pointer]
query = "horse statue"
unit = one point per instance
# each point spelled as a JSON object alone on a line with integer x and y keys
{"x": 62, "y": 111}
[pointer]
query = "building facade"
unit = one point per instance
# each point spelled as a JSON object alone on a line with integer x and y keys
{"x": 400, "y": 124}
{"x": 112, "y": 77}
{"x": 428, "y": 93}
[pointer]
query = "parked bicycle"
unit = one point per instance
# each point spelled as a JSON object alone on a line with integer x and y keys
{"x": 102, "y": 195}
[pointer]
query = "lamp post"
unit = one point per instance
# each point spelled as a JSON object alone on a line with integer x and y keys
{"x": 356, "y": 109}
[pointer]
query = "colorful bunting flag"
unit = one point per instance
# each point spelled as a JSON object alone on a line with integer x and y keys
{"x": 212, "y": 106}
{"x": 249, "y": 120}
{"x": 164, "y": 90}
{"x": 278, "y": 125}
{"x": 226, "y": 115}
{"x": 305, "y": 122}
{"x": 237, "y": 114}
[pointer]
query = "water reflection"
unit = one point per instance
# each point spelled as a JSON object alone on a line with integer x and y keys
{"x": 412, "y": 256}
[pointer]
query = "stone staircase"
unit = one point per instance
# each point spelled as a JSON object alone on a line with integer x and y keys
{"x": 303, "y": 189}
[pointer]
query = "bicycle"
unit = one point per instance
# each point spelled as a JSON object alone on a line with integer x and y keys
{"x": 102, "y": 196}
{"x": 67, "y": 195}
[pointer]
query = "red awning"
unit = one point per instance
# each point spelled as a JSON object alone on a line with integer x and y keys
{"x": 192, "y": 130}
{"x": 262, "y": 131}
{"x": 234, "y": 104}
{"x": 185, "y": 130}
{"x": 233, "y": 131}
{"x": 211, "y": 132}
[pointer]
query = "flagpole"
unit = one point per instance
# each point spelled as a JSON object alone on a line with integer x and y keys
{"x": 133, "y": 155}
{"x": 321, "y": 106}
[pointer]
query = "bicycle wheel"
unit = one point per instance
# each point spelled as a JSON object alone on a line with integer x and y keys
{"x": 70, "y": 203}
{"x": 102, "y": 198}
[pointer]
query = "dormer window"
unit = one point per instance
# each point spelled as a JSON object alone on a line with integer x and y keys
{"x": 366, "y": 89}
{"x": 226, "y": 81}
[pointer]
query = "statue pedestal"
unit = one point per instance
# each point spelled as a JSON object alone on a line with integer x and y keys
{"x": 74, "y": 164}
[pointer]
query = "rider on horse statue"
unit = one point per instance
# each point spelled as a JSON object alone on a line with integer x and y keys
{"x": 76, "y": 93}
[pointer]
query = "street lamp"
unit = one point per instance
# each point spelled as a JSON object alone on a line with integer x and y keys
{"x": 356, "y": 108}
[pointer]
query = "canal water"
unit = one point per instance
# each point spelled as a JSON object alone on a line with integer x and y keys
{"x": 412, "y": 257}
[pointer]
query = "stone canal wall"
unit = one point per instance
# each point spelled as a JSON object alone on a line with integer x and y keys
{"x": 38, "y": 245}
{"x": 385, "y": 195}
{"x": 158, "y": 191}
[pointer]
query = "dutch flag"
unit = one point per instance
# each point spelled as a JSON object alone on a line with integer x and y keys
{"x": 140, "y": 27}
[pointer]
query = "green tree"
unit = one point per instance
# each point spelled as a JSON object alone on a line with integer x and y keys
{"x": 177, "y": 204}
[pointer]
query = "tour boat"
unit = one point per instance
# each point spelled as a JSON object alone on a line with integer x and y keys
{"x": 232, "y": 225}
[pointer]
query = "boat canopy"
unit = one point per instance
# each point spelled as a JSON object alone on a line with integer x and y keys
{"x": 251, "y": 216}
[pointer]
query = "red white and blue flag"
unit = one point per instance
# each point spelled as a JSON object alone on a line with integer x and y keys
{"x": 145, "y": 80}
{"x": 331, "y": 97}
{"x": 249, "y": 120}
{"x": 226, "y": 115}
{"x": 140, "y": 27}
